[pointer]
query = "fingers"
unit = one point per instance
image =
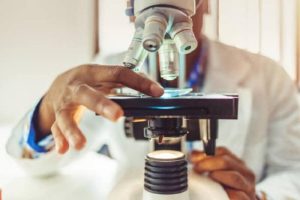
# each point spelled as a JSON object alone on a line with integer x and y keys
{"x": 108, "y": 88}
{"x": 224, "y": 160}
{"x": 210, "y": 164}
{"x": 221, "y": 161}
{"x": 61, "y": 144}
{"x": 228, "y": 170}
{"x": 225, "y": 151}
{"x": 200, "y": 155}
{"x": 108, "y": 85}
{"x": 197, "y": 156}
{"x": 65, "y": 129}
{"x": 232, "y": 179}
{"x": 86, "y": 86}
{"x": 95, "y": 73}
{"x": 69, "y": 130}
{"x": 96, "y": 101}
{"x": 237, "y": 195}
{"x": 135, "y": 81}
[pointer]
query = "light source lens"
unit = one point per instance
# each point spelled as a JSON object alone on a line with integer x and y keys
{"x": 166, "y": 155}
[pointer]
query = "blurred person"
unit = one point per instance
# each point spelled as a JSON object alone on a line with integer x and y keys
{"x": 260, "y": 157}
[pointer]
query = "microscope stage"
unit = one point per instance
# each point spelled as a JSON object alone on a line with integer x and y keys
{"x": 194, "y": 105}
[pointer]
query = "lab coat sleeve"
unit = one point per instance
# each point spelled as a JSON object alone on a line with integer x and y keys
{"x": 283, "y": 151}
{"x": 35, "y": 163}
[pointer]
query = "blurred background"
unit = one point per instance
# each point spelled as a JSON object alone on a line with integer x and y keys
{"x": 40, "y": 39}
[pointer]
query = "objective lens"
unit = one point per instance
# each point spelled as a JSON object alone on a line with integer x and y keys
{"x": 154, "y": 32}
{"x": 166, "y": 172}
{"x": 184, "y": 37}
{"x": 136, "y": 54}
{"x": 169, "y": 60}
{"x": 186, "y": 41}
{"x": 141, "y": 61}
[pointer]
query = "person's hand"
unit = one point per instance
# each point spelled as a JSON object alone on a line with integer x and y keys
{"x": 85, "y": 86}
{"x": 228, "y": 170}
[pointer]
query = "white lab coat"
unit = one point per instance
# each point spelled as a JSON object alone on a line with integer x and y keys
{"x": 266, "y": 135}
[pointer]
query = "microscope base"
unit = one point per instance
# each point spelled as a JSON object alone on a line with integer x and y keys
{"x": 200, "y": 188}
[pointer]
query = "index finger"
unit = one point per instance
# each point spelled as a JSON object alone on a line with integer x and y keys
{"x": 221, "y": 163}
{"x": 197, "y": 156}
{"x": 97, "y": 73}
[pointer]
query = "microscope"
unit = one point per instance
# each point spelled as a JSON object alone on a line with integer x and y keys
{"x": 165, "y": 27}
